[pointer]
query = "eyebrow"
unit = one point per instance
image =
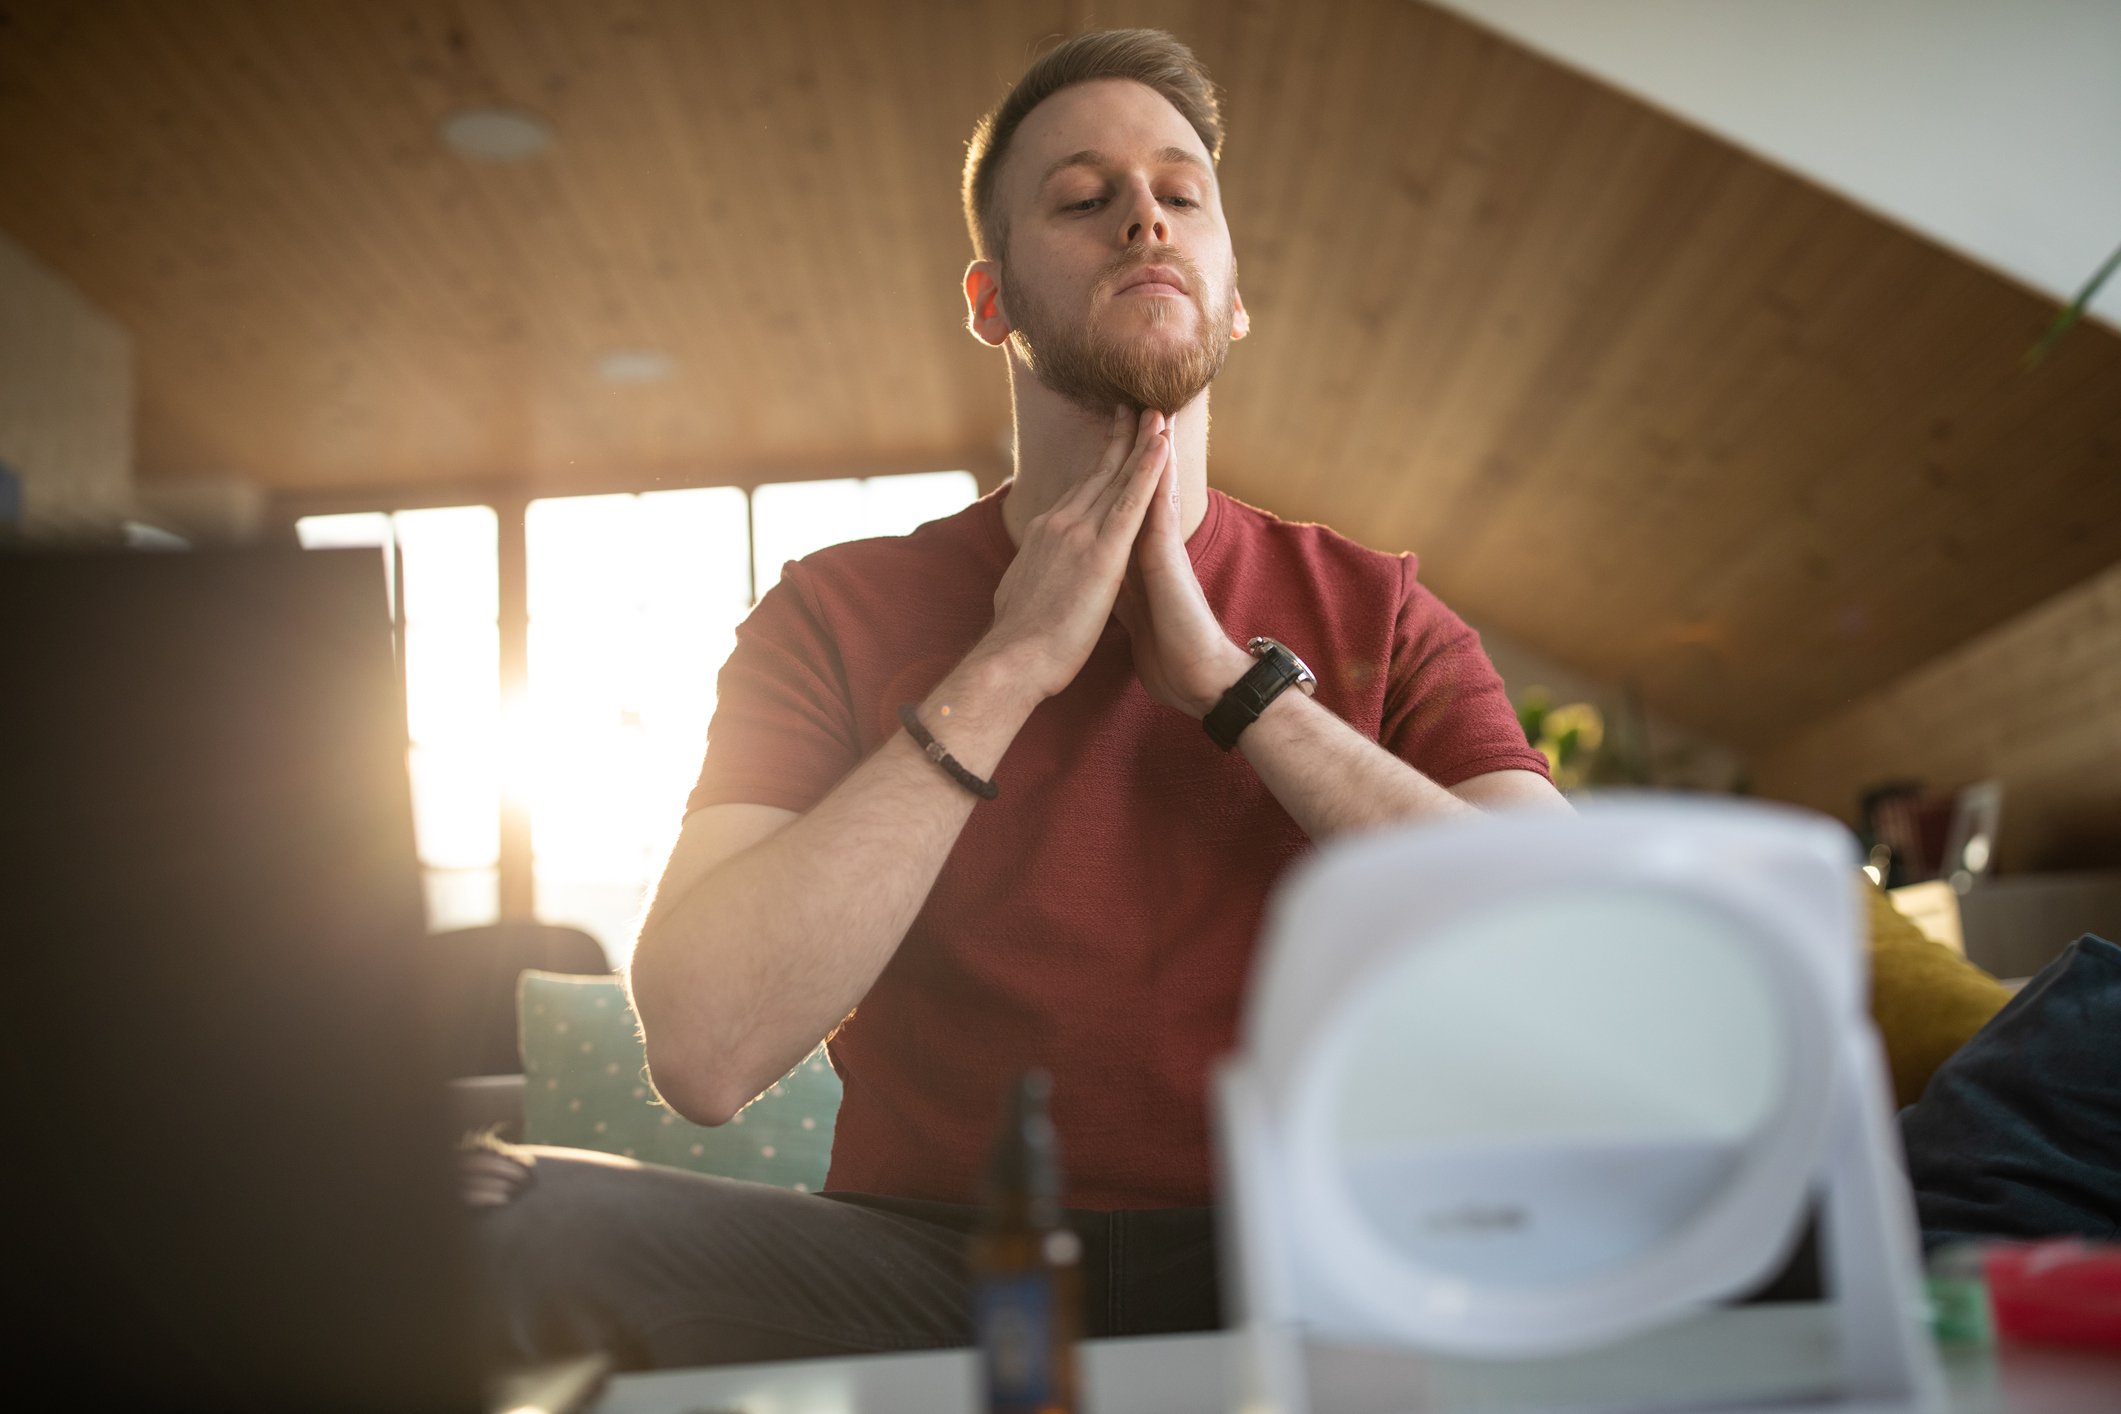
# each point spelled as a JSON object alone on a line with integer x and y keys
{"x": 1091, "y": 157}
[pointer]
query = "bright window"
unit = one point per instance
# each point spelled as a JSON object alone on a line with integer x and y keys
{"x": 451, "y": 644}
{"x": 792, "y": 518}
{"x": 633, "y": 605}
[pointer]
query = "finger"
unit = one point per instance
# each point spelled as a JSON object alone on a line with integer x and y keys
{"x": 1125, "y": 500}
{"x": 1126, "y": 431}
{"x": 1169, "y": 586}
{"x": 1140, "y": 493}
{"x": 1131, "y": 433}
{"x": 491, "y": 1166}
{"x": 1140, "y": 438}
{"x": 1126, "y": 605}
{"x": 1126, "y": 434}
{"x": 1162, "y": 517}
{"x": 1160, "y": 561}
{"x": 490, "y": 1185}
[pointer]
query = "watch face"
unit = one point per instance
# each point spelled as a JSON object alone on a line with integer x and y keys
{"x": 1306, "y": 680}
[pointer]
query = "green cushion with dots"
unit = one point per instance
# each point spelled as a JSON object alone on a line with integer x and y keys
{"x": 585, "y": 1086}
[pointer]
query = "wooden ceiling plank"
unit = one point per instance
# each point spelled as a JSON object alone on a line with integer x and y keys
{"x": 293, "y": 254}
{"x": 665, "y": 284}
{"x": 1689, "y": 331}
{"x": 1453, "y": 191}
{"x": 1747, "y": 355}
{"x": 728, "y": 185}
{"x": 873, "y": 229}
{"x": 1326, "y": 225}
{"x": 1367, "y": 231}
{"x": 1479, "y": 373}
{"x": 574, "y": 247}
{"x": 920, "y": 250}
{"x": 838, "y": 394}
{"x": 394, "y": 234}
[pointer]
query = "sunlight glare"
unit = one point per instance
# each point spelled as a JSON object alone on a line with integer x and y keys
{"x": 452, "y": 568}
{"x": 634, "y": 602}
{"x": 791, "y": 519}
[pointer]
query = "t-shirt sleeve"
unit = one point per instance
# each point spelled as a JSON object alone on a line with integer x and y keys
{"x": 1446, "y": 713}
{"x": 783, "y": 732}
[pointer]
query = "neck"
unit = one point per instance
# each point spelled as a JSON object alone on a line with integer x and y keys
{"x": 1058, "y": 444}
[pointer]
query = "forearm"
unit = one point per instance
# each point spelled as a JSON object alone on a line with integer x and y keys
{"x": 1331, "y": 778}
{"x": 747, "y": 959}
{"x": 739, "y": 976}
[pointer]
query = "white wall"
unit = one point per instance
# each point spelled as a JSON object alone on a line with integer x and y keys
{"x": 1991, "y": 126}
{"x": 66, "y": 402}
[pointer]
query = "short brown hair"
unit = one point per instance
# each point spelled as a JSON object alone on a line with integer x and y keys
{"x": 1147, "y": 56}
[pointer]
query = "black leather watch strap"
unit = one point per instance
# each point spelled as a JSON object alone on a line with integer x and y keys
{"x": 1275, "y": 673}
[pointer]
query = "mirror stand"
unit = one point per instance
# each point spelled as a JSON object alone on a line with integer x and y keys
{"x": 1865, "y": 1347}
{"x": 1867, "y": 1240}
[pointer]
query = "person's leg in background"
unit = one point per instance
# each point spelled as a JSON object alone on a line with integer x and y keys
{"x": 2018, "y": 1135}
{"x": 659, "y": 1268}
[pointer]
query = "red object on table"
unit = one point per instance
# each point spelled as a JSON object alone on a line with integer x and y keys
{"x": 2065, "y": 1292}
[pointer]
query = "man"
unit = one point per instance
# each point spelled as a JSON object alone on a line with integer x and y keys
{"x": 1072, "y": 874}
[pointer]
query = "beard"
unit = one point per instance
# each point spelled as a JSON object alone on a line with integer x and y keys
{"x": 1095, "y": 368}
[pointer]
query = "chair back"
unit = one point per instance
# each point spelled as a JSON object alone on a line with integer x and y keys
{"x": 474, "y": 986}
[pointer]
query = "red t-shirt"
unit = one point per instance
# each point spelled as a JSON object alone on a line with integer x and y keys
{"x": 1099, "y": 918}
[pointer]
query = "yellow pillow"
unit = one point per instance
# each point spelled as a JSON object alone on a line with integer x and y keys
{"x": 1926, "y": 999}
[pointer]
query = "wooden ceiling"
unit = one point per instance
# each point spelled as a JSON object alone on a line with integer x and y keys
{"x": 1641, "y": 401}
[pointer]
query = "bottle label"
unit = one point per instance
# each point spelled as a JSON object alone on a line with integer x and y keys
{"x": 1013, "y": 1320}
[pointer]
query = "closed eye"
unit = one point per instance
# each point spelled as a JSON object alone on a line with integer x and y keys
{"x": 1091, "y": 203}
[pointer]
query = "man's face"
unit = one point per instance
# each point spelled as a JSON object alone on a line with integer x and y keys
{"x": 1118, "y": 277}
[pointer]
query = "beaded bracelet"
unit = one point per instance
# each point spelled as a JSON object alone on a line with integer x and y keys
{"x": 911, "y": 718}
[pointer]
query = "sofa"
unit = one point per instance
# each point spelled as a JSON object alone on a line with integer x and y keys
{"x": 584, "y": 1085}
{"x": 584, "y": 1080}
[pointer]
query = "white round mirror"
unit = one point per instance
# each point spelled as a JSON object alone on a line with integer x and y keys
{"x": 1550, "y": 1088}
{"x": 1539, "y": 1084}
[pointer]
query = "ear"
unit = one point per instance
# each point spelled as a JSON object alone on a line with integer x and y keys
{"x": 1240, "y": 322}
{"x": 984, "y": 314}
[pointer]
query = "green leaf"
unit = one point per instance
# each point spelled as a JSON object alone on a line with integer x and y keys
{"x": 2067, "y": 319}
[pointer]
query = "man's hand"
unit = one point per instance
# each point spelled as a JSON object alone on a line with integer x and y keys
{"x": 1058, "y": 593}
{"x": 489, "y": 1173}
{"x": 1181, "y": 654}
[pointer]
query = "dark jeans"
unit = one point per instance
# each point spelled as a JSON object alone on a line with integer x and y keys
{"x": 2019, "y": 1134}
{"x": 660, "y": 1268}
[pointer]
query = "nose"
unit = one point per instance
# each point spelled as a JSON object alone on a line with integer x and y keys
{"x": 1143, "y": 218}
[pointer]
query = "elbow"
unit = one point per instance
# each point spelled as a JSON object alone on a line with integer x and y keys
{"x": 688, "y": 1087}
{"x": 707, "y": 1085}
{"x": 681, "y": 1069}
{"x": 690, "y": 1082}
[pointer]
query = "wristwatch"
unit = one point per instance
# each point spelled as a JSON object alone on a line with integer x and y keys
{"x": 1276, "y": 671}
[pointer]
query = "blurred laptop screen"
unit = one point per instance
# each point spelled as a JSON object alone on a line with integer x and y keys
{"x": 229, "y": 1186}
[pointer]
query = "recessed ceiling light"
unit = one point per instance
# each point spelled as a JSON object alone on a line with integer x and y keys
{"x": 496, "y": 134}
{"x": 635, "y": 366}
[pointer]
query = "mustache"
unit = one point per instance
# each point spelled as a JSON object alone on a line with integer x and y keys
{"x": 1122, "y": 266}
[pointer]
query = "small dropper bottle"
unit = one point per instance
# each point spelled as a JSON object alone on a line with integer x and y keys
{"x": 1026, "y": 1277}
